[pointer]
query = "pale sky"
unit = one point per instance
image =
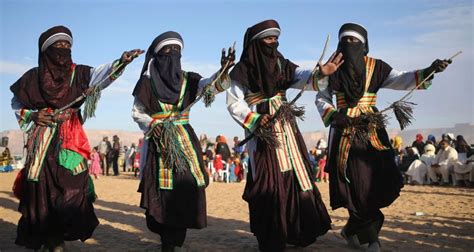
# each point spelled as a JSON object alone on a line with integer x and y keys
{"x": 408, "y": 35}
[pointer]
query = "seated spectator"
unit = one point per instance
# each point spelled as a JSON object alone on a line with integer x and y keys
{"x": 397, "y": 143}
{"x": 407, "y": 160}
{"x": 464, "y": 166}
{"x": 418, "y": 143}
{"x": 418, "y": 170}
{"x": 444, "y": 163}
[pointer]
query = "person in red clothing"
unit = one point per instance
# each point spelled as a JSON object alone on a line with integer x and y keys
{"x": 322, "y": 174}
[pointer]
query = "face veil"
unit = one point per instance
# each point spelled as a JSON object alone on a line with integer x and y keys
{"x": 350, "y": 78}
{"x": 262, "y": 68}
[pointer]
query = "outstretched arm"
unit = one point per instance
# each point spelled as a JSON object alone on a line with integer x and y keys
{"x": 105, "y": 74}
{"x": 317, "y": 80}
{"x": 404, "y": 80}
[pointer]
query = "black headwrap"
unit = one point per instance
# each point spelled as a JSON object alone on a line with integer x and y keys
{"x": 166, "y": 73}
{"x": 54, "y": 65}
{"x": 50, "y": 84}
{"x": 262, "y": 68}
{"x": 350, "y": 78}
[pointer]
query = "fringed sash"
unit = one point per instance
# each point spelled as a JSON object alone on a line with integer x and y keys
{"x": 165, "y": 174}
{"x": 39, "y": 140}
{"x": 288, "y": 153}
{"x": 73, "y": 153}
{"x": 364, "y": 106}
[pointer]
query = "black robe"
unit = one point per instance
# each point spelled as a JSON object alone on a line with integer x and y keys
{"x": 280, "y": 211}
{"x": 185, "y": 205}
{"x": 375, "y": 180}
{"x": 57, "y": 204}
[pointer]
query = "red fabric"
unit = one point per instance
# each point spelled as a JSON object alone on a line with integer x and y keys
{"x": 19, "y": 184}
{"x": 74, "y": 137}
{"x": 419, "y": 138}
{"x": 218, "y": 163}
{"x": 322, "y": 164}
{"x": 239, "y": 172}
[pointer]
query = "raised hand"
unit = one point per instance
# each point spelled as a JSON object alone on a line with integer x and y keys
{"x": 227, "y": 61}
{"x": 439, "y": 65}
{"x": 332, "y": 64}
{"x": 129, "y": 56}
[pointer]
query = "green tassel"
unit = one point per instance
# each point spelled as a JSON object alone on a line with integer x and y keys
{"x": 170, "y": 148}
{"x": 208, "y": 98}
{"x": 91, "y": 104}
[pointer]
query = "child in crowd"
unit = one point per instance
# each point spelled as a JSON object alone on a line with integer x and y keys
{"x": 95, "y": 168}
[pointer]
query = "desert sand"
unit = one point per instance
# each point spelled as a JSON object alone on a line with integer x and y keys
{"x": 446, "y": 222}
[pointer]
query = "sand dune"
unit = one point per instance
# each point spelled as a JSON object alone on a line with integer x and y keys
{"x": 447, "y": 223}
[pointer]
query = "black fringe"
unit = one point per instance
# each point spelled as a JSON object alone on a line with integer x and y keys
{"x": 267, "y": 135}
{"x": 403, "y": 111}
{"x": 289, "y": 111}
{"x": 361, "y": 125}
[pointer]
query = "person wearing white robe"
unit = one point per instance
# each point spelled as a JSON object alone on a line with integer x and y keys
{"x": 445, "y": 161}
{"x": 418, "y": 170}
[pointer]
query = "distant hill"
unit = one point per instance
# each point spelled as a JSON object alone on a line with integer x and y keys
{"x": 311, "y": 138}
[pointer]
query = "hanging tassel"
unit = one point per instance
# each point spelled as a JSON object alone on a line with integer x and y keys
{"x": 173, "y": 156}
{"x": 268, "y": 136}
{"x": 289, "y": 111}
{"x": 360, "y": 133}
{"x": 403, "y": 111}
{"x": 91, "y": 104}
{"x": 209, "y": 97}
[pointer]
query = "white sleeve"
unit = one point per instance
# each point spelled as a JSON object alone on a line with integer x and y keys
{"x": 325, "y": 106}
{"x": 220, "y": 85}
{"x": 140, "y": 117}
{"x": 403, "y": 80}
{"x": 316, "y": 83}
{"x": 238, "y": 107}
{"x": 99, "y": 75}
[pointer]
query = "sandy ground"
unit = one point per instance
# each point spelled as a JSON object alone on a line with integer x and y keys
{"x": 447, "y": 223}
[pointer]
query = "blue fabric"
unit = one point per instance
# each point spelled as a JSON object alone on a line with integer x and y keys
{"x": 7, "y": 168}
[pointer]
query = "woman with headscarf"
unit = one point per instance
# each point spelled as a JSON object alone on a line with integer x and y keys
{"x": 285, "y": 205}
{"x": 56, "y": 201}
{"x": 172, "y": 189}
{"x": 363, "y": 174}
